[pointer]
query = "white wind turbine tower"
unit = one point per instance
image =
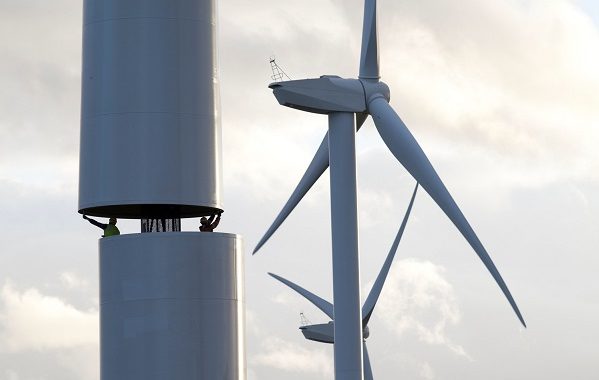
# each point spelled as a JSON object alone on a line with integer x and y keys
{"x": 324, "y": 332}
{"x": 340, "y": 99}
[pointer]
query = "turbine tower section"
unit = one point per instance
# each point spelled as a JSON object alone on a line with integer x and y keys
{"x": 171, "y": 302}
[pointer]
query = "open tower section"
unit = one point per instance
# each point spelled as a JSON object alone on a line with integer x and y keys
{"x": 171, "y": 302}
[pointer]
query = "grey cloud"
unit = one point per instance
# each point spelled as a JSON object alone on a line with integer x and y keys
{"x": 39, "y": 104}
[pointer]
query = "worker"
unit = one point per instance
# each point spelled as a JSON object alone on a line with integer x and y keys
{"x": 208, "y": 225}
{"x": 109, "y": 229}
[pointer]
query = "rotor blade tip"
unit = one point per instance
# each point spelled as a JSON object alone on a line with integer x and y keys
{"x": 518, "y": 314}
{"x": 523, "y": 323}
{"x": 257, "y": 248}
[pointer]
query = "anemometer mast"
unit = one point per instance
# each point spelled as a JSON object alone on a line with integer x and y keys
{"x": 171, "y": 301}
{"x": 278, "y": 75}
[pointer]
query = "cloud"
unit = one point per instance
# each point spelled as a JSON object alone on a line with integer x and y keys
{"x": 373, "y": 202}
{"x": 513, "y": 81}
{"x": 286, "y": 299}
{"x": 252, "y": 323}
{"x": 251, "y": 375}
{"x": 276, "y": 164}
{"x": 11, "y": 375}
{"x": 418, "y": 299}
{"x": 40, "y": 43}
{"x": 427, "y": 372}
{"x": 82, "y": 362}
{"x": 72, "y": 281}
{"x": 41, "y": 78}
{"x": 280, "y": 354}
{"x": 30, "y": 320}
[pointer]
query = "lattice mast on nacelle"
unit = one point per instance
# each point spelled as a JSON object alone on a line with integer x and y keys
{"x": 278, "y": 74}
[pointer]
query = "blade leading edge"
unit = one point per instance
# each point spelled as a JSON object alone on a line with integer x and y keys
{"x": 408, "y": 152}
{"x": 375, "y": 292}
{"x": 320, "y": 303}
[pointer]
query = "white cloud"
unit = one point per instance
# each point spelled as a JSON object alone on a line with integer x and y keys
{"x": 82, "y": 361}
{"x": 373, "y": 202}
{"x": 418, "y": 299}
{"x": 275, "y": 159}
{"x": 280, "y": 354}
{"x": 427, "y": 372}
{"x": 72, "y": 281}
{"x": 30, "y": 320}
{"x": 286, "y": 299}
{"x": 252, "y": 323}
{"x": 251, "y": 375}
{"x": 517, "y": 79}
{"x": 11, "y": 375}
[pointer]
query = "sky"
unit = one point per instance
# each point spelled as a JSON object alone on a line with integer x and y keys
{"x": 501, "y": 94}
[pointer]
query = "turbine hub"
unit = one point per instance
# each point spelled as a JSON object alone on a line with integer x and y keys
{"x": 373, "y": 90}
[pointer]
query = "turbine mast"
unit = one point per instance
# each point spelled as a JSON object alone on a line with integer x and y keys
{"x": 346, "y": 260}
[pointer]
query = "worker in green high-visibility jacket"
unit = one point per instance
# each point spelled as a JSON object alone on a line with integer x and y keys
{"x": 109, "y": 229}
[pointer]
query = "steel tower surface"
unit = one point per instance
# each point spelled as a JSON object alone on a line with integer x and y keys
{"x": 171, "y": 303}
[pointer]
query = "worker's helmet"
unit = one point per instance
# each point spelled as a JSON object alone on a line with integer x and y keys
{"x": 112, "y": 221}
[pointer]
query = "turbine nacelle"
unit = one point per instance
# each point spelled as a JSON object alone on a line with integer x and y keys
{"x": 322, "y": 332}
{"x": 325, "y": 332}
{"x": 328, "y": 94}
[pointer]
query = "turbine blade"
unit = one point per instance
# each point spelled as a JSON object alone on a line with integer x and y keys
{"x": 323, "y": 305}
{"x": 369, "y": 57}
{"x": 367, "y": 367}
{"x": 319, "y": 164}
{"x": 375, "y": 292}
{"x": 407, "y": 151}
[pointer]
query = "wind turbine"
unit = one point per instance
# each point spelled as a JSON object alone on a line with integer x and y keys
{"x": 324, "y": 332}
{"x": 340, "y": 99}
